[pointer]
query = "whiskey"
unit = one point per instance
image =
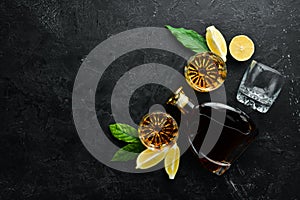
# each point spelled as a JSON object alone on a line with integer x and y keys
{"x": 205, "y": 72}
{"x": 237, "y": 132}
{"x": 158, "y": 130}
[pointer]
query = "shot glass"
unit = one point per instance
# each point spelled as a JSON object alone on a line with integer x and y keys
{"x": 260, "y": 87}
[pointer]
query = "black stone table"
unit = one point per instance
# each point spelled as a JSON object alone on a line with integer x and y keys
{"x": 43, "y": 43}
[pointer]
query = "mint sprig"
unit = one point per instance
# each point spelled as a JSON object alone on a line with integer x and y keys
{"x": 126, "y": 133}
{"x": 128, "y": 152}
{"x": 189, "y": 38}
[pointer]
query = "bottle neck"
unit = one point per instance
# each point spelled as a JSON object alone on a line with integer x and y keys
{"x": 188, "y": 108}
{"x": 182, "y": 102}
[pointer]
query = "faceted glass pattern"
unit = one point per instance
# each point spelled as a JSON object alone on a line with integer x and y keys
{"x": 260, "y": 87}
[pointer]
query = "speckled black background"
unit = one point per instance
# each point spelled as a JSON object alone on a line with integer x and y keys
{"x": 42, "y": 46}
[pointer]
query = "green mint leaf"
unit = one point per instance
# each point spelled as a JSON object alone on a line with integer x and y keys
{"x": 124, "y": 132}
{"x": 189, "y": 38}
{"x": 128, "y": 152}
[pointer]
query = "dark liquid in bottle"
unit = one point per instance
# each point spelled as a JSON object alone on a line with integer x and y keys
{"x": 237, "y": 132}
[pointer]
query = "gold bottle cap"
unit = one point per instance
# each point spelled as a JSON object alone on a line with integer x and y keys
{"x": 179, "y": 99}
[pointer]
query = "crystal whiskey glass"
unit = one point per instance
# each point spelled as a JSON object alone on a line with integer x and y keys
{"x": 158, "y": 130}
{"x": 205, "y": 72}
{"x": 260, "y": 87}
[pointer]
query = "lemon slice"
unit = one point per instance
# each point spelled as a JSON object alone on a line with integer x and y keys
{"x": 172, "y": 161}
{"x": 149, "y": 158}
{"x": 241, "y": 48}
{"x": 216, "y": 42}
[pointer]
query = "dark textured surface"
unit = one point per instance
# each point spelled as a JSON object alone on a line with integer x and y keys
{"x": 43, "y": 43}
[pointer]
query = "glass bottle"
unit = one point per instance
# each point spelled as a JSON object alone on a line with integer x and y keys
{"x": 223, "y": 132}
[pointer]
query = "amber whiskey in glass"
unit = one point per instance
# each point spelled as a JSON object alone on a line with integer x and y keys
{"x": 158, "y": 130}
{"x": 205, "y": 72}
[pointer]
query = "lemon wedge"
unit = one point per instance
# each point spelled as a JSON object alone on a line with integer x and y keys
{"x": 241, "y": 48}
{"x": 149, "y": 158}
{"x": 172, "y": 161}
{"x": 216, "y": 42}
